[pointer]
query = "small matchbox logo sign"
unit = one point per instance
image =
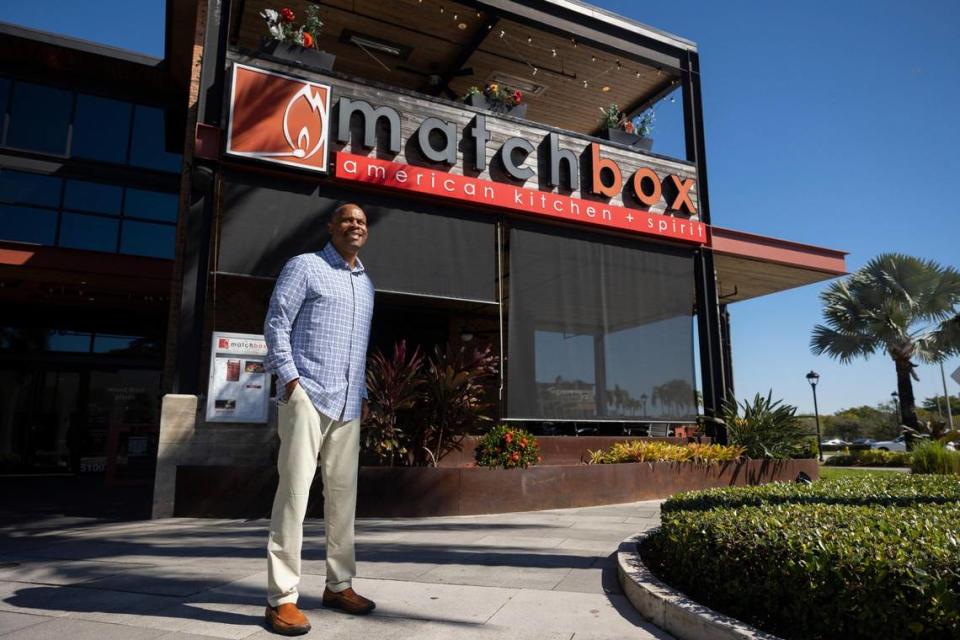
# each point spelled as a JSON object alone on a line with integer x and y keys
{"x": 279, "y": 119}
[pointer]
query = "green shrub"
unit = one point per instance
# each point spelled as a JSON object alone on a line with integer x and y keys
{"x": 888, "y": 489}
{"x": 831, "y": 560}
{"x": 507, "y": 447}
{"x": 869, "y": 458}
{"x": 766, "y": 429}
{"x": 933, "y": 457}
{"x": 658, "y": 451}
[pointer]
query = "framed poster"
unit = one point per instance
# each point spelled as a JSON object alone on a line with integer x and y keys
{"x": 239, "y": 387}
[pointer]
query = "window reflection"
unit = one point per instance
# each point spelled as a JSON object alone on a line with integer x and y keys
{"x": 151, "y": 204}
{"x": 72, "y": 341}
{"x": 146, "y": 239}
{"x": 93, "y": 196}
{"x": 88, "y": 232}
{"x": 39, "y": 118}
{"x": 101, "y": 129}
{"x": 17, "y": 187}
{"x": 28, "y": 224}
{"x": 149, "y": 143}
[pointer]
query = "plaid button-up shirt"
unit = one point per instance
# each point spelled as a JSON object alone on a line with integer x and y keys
{"x": 317, "y": 329}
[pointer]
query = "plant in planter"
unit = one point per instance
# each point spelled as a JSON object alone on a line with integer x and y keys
{"x": 633, "y": 132}
{"x": 765, "y": 428}
{"x": 421, "y": 408}
{"x": 394, "y": 387}
{"x": 292, "y": 43}
{"x": 507, "y": 447}
{"x": 498, "y": 99}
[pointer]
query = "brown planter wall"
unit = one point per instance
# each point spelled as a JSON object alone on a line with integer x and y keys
{"x": 211, "y": 491}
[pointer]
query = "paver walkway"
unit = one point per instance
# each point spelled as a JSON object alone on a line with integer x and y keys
{"x": 546, "y": 574}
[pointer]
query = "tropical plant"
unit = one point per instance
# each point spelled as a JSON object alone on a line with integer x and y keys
{"x": 455, "y": 402}
{"x": 394, "y": 388}
{"x": 500, "y": 97}
{"x": 766, "y": 429}
{"x": 507, "y": 447}
{"x": 904, "y": 306}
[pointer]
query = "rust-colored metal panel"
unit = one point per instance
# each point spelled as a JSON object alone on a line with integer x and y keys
{"x": 418, "y": 492}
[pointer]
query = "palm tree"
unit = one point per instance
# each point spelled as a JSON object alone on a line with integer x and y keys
{"x": 905, "y": 306}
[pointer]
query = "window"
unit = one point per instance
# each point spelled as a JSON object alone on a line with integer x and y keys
{"x": 17, "y": 187}
{"x": 28, "y": 224}
{"x": 149, "y": 142}
{"x": 101, "y": 129}
{"x": 39, "y": 118}
{"x": 147, "y": 239}
{"x": 599, "y": 328}
{"x": 93, "y": 196}
{"x": 71, "y": 341}
{"x": 90, "y": 217}
{"x": 151, "y": 204}
{"x": 93, "y": 233}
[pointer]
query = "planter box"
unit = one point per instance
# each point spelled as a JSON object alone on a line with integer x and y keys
{"x": 480, "y": 101}
{"x": 296, "y": 55}
{"x": 631, "y": 140}
{"x": 233, "y": 492}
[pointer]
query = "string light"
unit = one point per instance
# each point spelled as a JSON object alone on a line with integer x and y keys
{"x": 529, "y": 39}
{"x": 593, "y": 58}
{"x": 535, "y": 71}
{"x": 553, "y": 52}
{"x": 585, "y": 84}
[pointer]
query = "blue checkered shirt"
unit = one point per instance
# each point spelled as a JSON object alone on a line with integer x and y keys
{"x": 317, "y": 329}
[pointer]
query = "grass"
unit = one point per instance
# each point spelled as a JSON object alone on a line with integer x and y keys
{"x": 832, "y": 473}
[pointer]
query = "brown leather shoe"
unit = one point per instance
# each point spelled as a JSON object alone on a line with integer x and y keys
{"x": 287, "y": 620}
{"x": 349, "y": 601}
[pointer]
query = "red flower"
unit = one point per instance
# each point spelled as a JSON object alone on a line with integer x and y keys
{"x": 523, "y": 442}
{"x": 307, "y": 40}
{"x": 287, "y": 15}
{"x": 517, "y": 97}
{"x": 628, "y": 127}
{"x": 515, "y": 456}
{"x": 508, "y": 437}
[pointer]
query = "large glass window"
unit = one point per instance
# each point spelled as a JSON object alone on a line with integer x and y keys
{"x": 93, "y": 196}
{"x": 101, "y": 129}
{"x": 46, "y": 119}
{"x": 598, "y": 329}
{"x": 149, "y": 142}
{"x": 147, "y": 239}
{"x": 39, "y": 118}
{"x": 94, "y": 233}
{"x": 28, "y": 224}
{"x": 151, "y": 204}
{"x": 17, "y": 187}
{"x": 94, "y": 216}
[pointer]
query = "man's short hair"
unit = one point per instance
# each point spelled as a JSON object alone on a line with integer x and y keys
{"x": 331, "y": 216}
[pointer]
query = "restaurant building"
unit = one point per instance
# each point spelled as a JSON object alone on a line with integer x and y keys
{"x": 592, "y": 265}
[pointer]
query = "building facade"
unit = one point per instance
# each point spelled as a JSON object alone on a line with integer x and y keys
{"x": 589, "y": 263}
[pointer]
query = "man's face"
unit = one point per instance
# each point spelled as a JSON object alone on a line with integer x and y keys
{"x": 348, "y": 229}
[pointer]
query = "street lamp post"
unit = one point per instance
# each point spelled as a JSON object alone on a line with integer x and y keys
{"x": 896, "y": 405}
{"x": 813, "y": 378}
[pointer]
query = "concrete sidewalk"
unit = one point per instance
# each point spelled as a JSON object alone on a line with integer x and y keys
{"x": 546, "y": 574}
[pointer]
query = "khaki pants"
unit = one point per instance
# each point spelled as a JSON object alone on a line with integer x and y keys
{"x": 305, "y": 435}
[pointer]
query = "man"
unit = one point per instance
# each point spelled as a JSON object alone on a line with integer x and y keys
{"x": 317, "y": 329}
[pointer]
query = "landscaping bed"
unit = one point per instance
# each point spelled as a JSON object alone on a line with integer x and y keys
{"x": 867, "y": 557}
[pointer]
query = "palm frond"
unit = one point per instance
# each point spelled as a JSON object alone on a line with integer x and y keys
{"x": 844, "y": 346}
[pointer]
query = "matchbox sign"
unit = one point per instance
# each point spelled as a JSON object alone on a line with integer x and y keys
{"x": 278, "y": 119}
{"x": 281, "y": 119}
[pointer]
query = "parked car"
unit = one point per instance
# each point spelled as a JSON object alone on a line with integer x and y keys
{"x": 897, "y": 444}
{"x": 864, "y": 441}
{"x": 834, "y": 442}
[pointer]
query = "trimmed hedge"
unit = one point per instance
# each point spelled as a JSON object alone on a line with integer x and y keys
{"x": 889, "y": 489}
{"x": 870, "y": 458}
{"x": 823, "y": 561}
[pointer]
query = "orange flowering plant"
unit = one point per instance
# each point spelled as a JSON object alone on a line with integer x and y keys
{"x": 498, "y": 96}
{"x": 507, "y": 447}
{"x": 281, "y": 26}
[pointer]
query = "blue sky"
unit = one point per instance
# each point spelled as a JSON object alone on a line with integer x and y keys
{"x": 828, "y": 123}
